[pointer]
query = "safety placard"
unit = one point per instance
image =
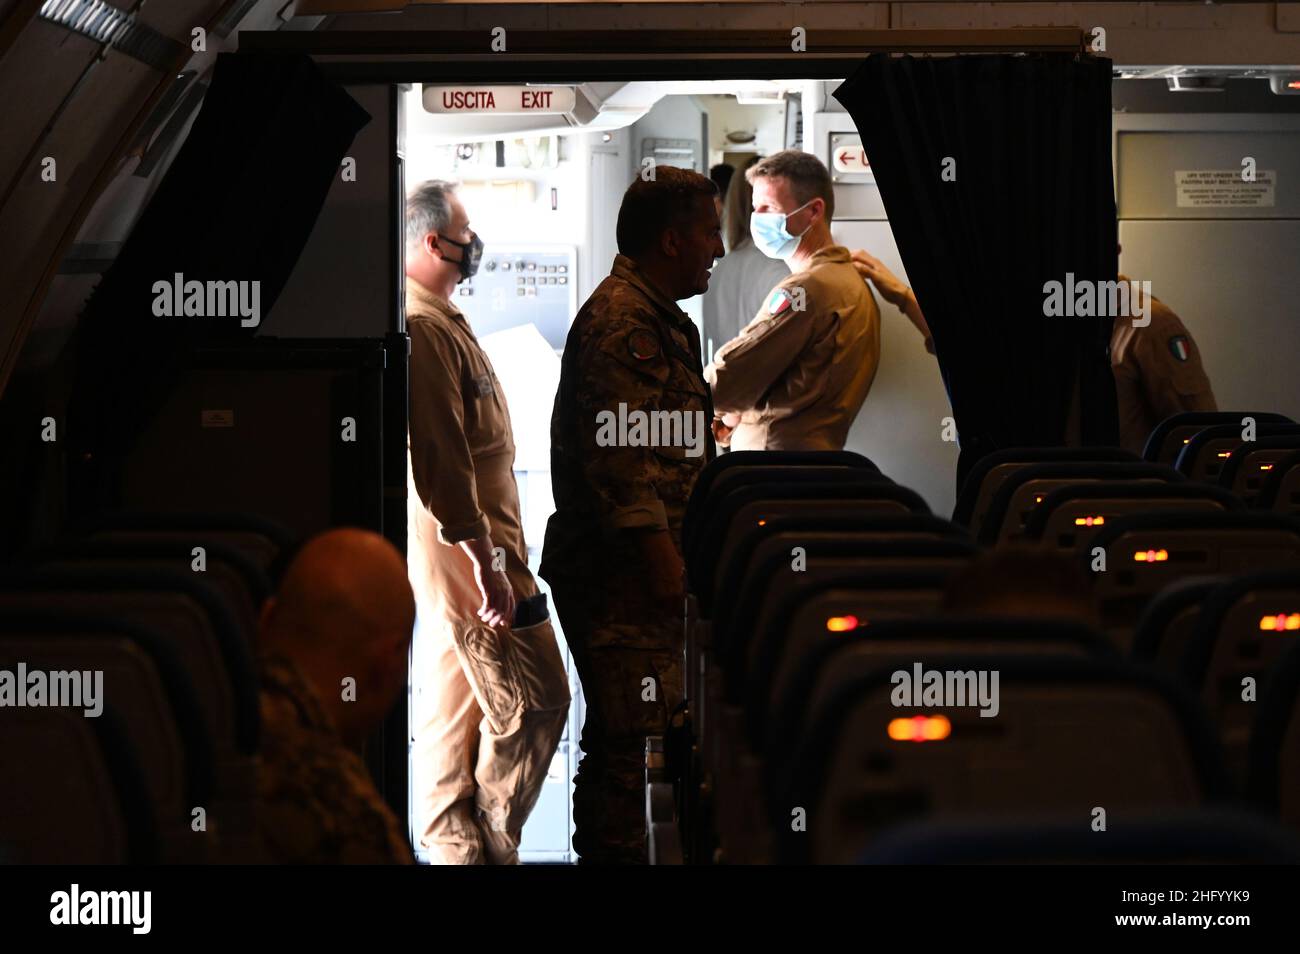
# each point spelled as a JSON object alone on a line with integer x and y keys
{"x": 850, "y": 159}
{"x": 502, "y": 100}
{"x": 1224, "y": 189}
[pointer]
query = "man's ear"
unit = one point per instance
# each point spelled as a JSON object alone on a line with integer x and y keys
{"x": 669, "y": 242}
{"x": 431, "y": 245}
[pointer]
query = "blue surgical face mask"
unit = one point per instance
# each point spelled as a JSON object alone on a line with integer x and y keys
{"x": 769, "y": 233}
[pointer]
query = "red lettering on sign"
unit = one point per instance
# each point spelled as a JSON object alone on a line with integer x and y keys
{"x": 468, "y": 99}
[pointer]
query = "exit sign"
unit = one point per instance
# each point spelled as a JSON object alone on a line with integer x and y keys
{"x": 499, "y": 100}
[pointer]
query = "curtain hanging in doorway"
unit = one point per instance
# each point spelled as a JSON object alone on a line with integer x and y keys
{"x": 995, "y": 171}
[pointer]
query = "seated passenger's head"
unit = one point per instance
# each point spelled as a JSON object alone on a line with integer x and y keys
{"x": 669, "y": 226}
{"x": 721, "y": 174}
{"x": 793, "y": 202}
{"x": 441, "y": 249}
{"x": 1021, "y": 581}
{"x": 344, "y": 610}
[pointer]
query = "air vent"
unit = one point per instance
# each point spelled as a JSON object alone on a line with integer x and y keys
{"x": 108, "y": 25}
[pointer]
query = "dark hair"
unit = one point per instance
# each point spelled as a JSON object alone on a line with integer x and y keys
{"x": 652, "y": 205}
{"x": 721, "y": 174}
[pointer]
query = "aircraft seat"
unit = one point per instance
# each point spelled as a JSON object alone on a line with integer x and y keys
{"x": 1025, "y": 488}
{"x": 1069, "y": 516}
{"x": 989, "y": 471}
{"x": 1206, "y": 836}
{"x": 1169, "y": 437}
{"x": 1207, "y": 451}
{"x": 1071, "y": 736}
{"x": 78, "y": 795}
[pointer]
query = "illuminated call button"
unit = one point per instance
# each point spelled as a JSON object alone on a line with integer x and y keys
{"x": 1280, "y": 623}
{"x": 1151, "y": 556}
{"x": 920, "y": 728}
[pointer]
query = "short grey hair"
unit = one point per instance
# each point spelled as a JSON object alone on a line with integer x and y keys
{"x": 428, "y": 209}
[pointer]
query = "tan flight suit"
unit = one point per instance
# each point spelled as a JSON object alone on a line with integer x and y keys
{"x": 500, "y": 696}
{"x": 1158, "y": 373}
{"x": 799, "y": 372}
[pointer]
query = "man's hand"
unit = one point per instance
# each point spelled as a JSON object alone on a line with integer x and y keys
{"x": 498, "y": 607}
{"x": 667, "y": 572}
{"x": 887, "y": 283}
{"x": 723, "y": 426}
{"x": 893, "y": 291}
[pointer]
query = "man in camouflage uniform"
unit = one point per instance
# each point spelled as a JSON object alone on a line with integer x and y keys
{"x": 333, "y": 646}
{"x": 613, "y": 547}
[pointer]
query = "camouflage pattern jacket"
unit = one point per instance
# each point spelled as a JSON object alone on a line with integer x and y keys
{"x": 316, "y": 802}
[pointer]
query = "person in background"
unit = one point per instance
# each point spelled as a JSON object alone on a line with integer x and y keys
{"x": 721, "y": 174}
{"x": 486, "y": 654}
{"x": 797, "y": 375}
{"x": 741, "y": 282}
{"x": 613, "y": 546}
{"x": 1158, "y": 372}
{"x": 1157, "y": 366}
{"x": 332, "y": 654}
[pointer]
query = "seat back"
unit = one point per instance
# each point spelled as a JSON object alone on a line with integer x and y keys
{"x": 1172, "y": 434}
{"x": 1070, "y": 736}
{"x": 736, "y": 554}
{"x": 1280, "y": 490}
{"x": 80, "y": 797}
{"x": 1249, "y": 464}
{"x": 828, "y": 492}
{"x": 988, "y": 473}
{"x": 1024, "y": 490}
{"x": 1206, "y": 453}
{"x": 785, "y": 559}
{"x": 1198, "y": 836}
{"x": 810, "y": 676}
{"x": 1274, "y": 774}
{"x": 1068, "y": 517}
{"x": 698, "y": 505}
{"x": 1146, "y": 552}
{"x": 1245, "y": 626}
{"x": 1168, "y": 620}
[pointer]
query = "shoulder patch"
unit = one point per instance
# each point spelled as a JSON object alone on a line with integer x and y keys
{"x": 1178, "y": 347}
{"x": 778, "y": 302}
{"x": 643, "y": 345}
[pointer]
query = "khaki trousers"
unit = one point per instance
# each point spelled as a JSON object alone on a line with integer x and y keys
{"x": 485, "y": 737}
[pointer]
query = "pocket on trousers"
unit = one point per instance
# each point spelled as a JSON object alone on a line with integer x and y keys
{"x": 540, "y": 667}
{"x": 492, "y": 669}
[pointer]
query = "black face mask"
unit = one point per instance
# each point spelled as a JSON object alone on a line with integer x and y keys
{"x": 470, "y": 253}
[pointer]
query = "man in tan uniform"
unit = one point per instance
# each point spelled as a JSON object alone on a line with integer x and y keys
{"x": 1158, "y": 373}
{"x": 798, "y": 374}
{"x": 499, "y": 691}
{"x": 1157, "y": 366}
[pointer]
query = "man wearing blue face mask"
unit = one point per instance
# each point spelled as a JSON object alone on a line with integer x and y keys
{"x": 796, "y": 376}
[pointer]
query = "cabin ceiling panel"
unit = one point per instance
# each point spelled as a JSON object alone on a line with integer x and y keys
{"x": 85, "y": 136}
{"x": 40, "y": 69}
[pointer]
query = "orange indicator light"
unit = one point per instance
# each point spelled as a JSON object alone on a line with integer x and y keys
{"x": 920, "y": 729}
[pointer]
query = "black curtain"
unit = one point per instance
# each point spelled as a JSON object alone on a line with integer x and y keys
{"x": 1032, "y": 200}
{"x": 237, "y": 204}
